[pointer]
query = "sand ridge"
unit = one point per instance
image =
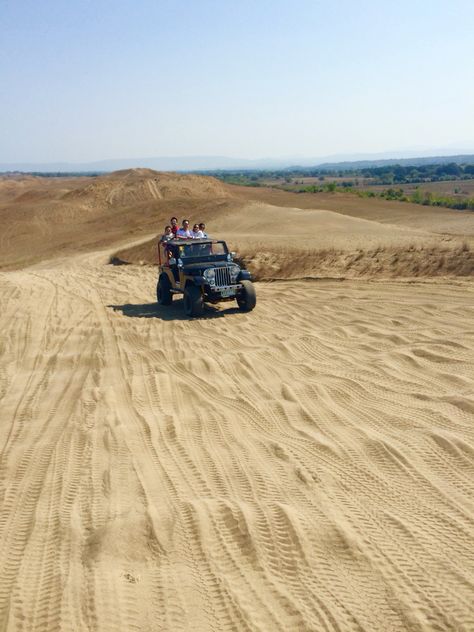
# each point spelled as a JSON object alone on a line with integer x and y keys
{"x": 282, "y": 242}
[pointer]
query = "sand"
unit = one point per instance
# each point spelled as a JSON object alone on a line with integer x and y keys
{"x": 275, "y": 242}
{"x": 307, "y": 466}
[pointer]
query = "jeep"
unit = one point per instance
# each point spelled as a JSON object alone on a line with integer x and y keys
{"x": 202, "y": 270}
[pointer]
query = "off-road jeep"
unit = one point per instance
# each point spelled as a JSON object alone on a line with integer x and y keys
{"x": 203, "y": 271}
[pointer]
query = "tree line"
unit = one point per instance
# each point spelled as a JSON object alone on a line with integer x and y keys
{"x": 387, "y": 174}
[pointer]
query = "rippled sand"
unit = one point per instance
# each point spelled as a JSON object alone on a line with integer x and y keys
{"x": 307, "y": 466}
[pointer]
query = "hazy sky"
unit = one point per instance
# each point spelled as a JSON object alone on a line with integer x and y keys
{"x": 86, "y": 80}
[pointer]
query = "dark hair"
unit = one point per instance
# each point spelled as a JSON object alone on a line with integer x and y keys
{"x": 185, "y": 220}
{"x": 173, "y": 219}
{"x": 202, "y": 225}
{"x": 167, "y": 227}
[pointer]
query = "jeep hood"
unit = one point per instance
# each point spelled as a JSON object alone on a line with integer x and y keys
{"x": 203, "y": 265}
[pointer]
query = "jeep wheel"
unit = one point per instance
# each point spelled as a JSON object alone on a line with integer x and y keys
{"x": 163, "y": 291}
{"x": 247, "y": 297}
{"x": 193, "y": 301}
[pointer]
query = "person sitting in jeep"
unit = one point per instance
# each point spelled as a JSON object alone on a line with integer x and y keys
{"x": 196, "y": 233}
{"x": 167, "y": 235}
{"x": 174, "y": 225}
{"x": 184, "y": 232}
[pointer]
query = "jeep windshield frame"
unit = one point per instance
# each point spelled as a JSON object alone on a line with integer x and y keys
{"x": 197, "y": 250}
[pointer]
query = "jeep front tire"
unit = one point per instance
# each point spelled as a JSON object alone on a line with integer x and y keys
{"x": 193, "y": 301}
{"x": 163, "y": 291}
{"x": 247, "y": 297}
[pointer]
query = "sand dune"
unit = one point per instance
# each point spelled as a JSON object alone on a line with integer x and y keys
{"x": 431, "y": 219}
{"x": 307, "y": 466}
{"x": 281, "y": 242}
{"x": 140, "y": 185}
{"x": 43, "y": 218}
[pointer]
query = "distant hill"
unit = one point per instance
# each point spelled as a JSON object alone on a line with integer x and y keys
{"x": 223, "y": 163}
{"x": 160, "y": 163}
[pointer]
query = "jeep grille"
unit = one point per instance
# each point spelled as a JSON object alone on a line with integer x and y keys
{"x": 222, "y": 276}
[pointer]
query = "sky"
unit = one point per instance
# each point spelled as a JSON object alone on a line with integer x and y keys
{"x": 91, "y": 80}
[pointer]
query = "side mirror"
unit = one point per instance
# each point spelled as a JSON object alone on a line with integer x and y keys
{"x": 172, "y": 261}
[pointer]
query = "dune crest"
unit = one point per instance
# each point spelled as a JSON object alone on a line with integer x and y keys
{"x": 293, "y": 243}
{"x": 135, "y": 186}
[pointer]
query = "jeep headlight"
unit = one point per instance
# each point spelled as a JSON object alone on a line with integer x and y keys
{"x": 210, "y": 275}
{"x": 234, "y": 273}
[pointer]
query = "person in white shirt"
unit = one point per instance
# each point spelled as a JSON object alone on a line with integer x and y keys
{"x": 197, "y": 234}
{"x": 167, "y": 235}
{"x": 184, "y": 232}
{"x": 202, "y": 228}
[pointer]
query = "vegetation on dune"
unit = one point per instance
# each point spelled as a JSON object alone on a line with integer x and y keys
{"x": 363, "y": 180}
{"x": 426, "y": 198}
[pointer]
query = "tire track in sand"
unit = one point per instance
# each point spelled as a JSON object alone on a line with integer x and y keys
{"x": 307, "y": 466}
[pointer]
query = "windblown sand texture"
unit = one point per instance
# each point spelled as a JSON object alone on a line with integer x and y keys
{"x": 306, "y": 466}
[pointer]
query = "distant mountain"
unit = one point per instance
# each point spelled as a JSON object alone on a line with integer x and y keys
{"x": 216, "y": 163}
{"x": 162, "y": 163}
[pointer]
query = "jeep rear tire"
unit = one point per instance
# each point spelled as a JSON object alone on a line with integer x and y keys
{"x": 193, "y": 301}
{"x": 247, "y": 297}
{"x": 163, "y": 291}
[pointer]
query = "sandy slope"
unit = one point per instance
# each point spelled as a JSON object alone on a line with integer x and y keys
{"x": 42, "y": 218}
{"x": 284, "y": 242}
{"x": 308, "y": 466}
{"x": 427, "y": 218}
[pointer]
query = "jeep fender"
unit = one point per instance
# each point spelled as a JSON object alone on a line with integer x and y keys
{"x": 244, "y": 276}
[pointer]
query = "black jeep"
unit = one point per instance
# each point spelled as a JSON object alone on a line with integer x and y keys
{"x": 203, "y": 271}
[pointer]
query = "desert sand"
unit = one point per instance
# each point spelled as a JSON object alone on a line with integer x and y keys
{"x": 306, "y": 466}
